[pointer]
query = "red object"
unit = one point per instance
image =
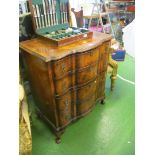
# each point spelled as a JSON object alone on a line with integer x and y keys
{"x": 131, "y": 8}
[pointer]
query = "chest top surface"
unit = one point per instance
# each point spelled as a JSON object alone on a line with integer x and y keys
{"x": 47, "y": 51}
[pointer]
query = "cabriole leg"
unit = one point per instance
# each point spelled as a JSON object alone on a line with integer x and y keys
{"x": 113, "y": 76}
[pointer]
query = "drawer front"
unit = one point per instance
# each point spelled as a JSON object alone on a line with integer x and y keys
{"x": 71, "y": 63}
{"x": 87, "y": 74}
{"x": 70, "y": 103}
{"x": 72, "y": 80}
{"x": 85, "y": 106}
{"x": 64, "y": 84}
{"x": 62, "y": 66}
{"x": 64, "y": 108}
{"x": 86, "y": 92}
{"x": 87, "y": 58}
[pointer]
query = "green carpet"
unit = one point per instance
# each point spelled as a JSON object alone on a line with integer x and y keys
{"x": 107, "y": 130}
{"x": 127, "y": 68}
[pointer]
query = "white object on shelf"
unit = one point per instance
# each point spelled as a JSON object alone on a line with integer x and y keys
{"x": 23, "y": 6}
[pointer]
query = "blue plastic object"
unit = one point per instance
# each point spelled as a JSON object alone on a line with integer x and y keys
{"x": 119, "y": 55}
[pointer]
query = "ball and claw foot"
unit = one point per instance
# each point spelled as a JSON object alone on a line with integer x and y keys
{"x": 58, "y": 140}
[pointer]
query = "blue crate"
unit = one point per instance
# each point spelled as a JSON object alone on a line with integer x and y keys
{"x": 119, "y": 55}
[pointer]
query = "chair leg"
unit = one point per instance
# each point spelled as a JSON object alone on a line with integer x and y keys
{"x": 113, "y": 76}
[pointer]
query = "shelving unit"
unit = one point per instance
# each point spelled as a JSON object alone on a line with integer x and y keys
{"x": 118, "y": 10}
{"x": 125, "y": 3}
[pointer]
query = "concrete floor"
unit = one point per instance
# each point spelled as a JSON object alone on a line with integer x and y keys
{"x": 107, "y": 130}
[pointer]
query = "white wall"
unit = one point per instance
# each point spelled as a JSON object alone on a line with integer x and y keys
{"x": 128, "y": 38}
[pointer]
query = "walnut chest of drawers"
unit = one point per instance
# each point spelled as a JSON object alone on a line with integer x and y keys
{"x": 67, "y": 81}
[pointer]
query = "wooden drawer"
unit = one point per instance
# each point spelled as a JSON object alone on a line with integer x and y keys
{"x": 80, "y": 77}
{"x": 82, "y": 92}
{"x": 87, "y": 91}
{"x": 64, "y": 107}
{"x": 64, "y": 84}
{"x": 87, "y": 58}
{"x": 72, "y": 63}
{"x": 83, "y": 98}
{"x": 86, "y": 106}
{"x": 62, "y": 66}
{"x": 87, "y": 74}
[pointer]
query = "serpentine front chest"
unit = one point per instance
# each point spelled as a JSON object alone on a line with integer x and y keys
{"x": 66, "y": 81}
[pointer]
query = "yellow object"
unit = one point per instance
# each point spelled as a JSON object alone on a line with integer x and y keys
{"x": 25, "y": 140}
{"x": 112, "y": 65}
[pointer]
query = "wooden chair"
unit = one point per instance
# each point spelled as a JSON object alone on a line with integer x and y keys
{"x": 112, "y": 69}
{"x": 112, "y": 65}
{"x": 79, "y": 17}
